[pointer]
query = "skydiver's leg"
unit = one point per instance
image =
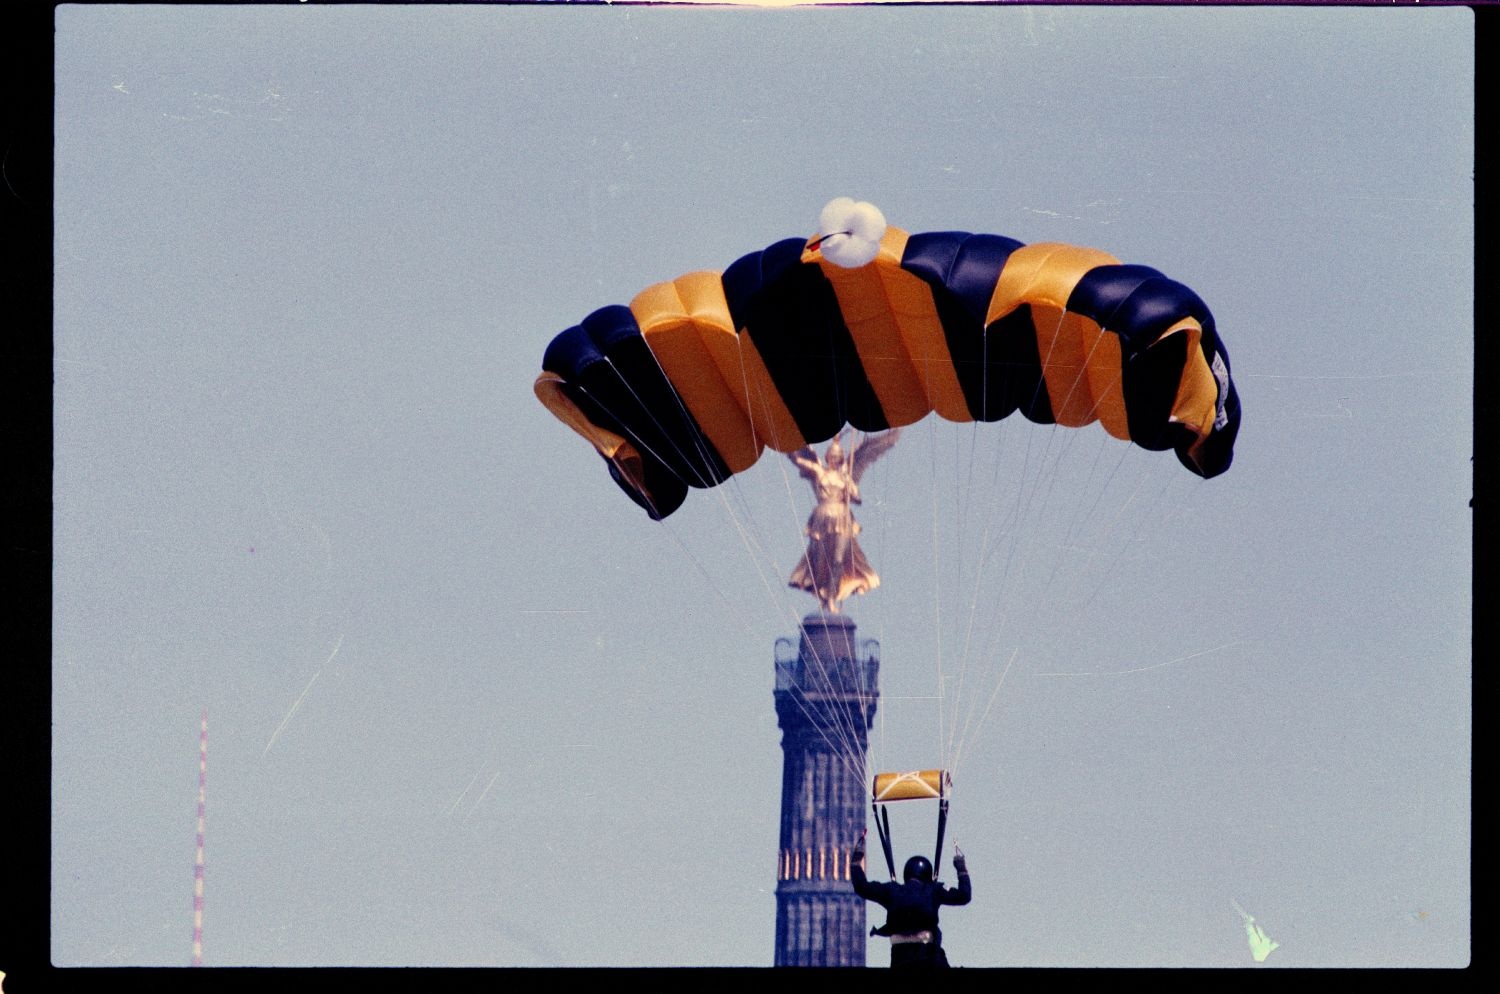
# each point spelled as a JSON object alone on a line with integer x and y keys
{"x": 921, "y": 955}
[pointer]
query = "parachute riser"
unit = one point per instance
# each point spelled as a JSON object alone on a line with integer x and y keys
{"x": 937, "y": 855}
{"x": 883, "y": 826}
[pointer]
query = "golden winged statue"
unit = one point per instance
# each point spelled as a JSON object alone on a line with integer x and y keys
{"x": 833, "y": 568}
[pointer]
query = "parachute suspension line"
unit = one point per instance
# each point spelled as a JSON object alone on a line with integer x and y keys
{"x": 750, "y": 399}
{"x": 984, "y": 372}
{"x": 842, "y": 745}
{"x": 840, "y": 388}
{"x": 954, "y": 517}
{"x": 1026, "y": 495}
{"x": 1073, "y": 438}
{"x": 1003, "y": 576}
{"x": 960, "y": 521}
{"x": 732, "y": 500}
{"x": 1075, "y": 527}
{"x": 1050, "y": 477}
{"x": 872, "y": 612}
{"x": 1032, "y": 498}
{"x": 961, "y": 503}
{"x": 1140, "y": 523}
{"x": 1020, "y": 508}
{"x": 198, "y": 859}
{"x": 702, "y": 481}
{"x": 845, "y": 740}
{"x": 957, "y": 519}
{"x": 854, "y": 759}
{"x": 1156, "y": 666}
{"x": 1014, "y": 512}
{"x": 937, "y": 590}
{"x": 1019, "y": 550}
{"x": 968, "y": 653}
{"x": 1099, "y": 490}
{"x": 846, "y": 744}
{"x": 843, "y": 727}
{"x": 754, "y": 399}
{"x": 633, "y": 437}
{"x": 647, "y": 448}
{"x": 1098, "y": 495}
{"x": 752, "y": 537}
{"x": 822, "y": 670}
{"x": 971, "y": 724}
{"x": 1043, "y": 495}
{"x": 700, "y": 444}
{"x": 986, "y": 546}
{"x": 735, "y": 609}
{"x": 757, "y": 399}
{"x": 961, "y": 507}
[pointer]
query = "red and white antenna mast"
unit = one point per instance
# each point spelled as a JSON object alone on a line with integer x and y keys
{"x": 198, "y": 863}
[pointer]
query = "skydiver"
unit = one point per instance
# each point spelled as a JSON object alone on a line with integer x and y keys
{"x": 911, "y": 921}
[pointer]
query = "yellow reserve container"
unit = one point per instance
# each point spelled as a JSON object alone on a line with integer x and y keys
{"x": 916, "y": 785}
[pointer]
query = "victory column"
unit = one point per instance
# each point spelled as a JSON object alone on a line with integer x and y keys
{"x": 826, "y": 692}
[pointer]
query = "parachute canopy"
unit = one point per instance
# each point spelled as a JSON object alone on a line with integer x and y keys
{"x": 692, "y": 381}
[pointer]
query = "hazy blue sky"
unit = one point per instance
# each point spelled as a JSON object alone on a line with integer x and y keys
{"x": 468, "y": 706}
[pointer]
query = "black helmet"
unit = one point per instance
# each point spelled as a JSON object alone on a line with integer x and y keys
{"x": 917, "y": 868}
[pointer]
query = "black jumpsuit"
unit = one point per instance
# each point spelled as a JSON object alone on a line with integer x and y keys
{"x": 910, "y": 908}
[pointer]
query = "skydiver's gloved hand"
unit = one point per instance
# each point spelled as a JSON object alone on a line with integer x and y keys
{"x": 960, "y": 865}
{"x": 857, "y": 854}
